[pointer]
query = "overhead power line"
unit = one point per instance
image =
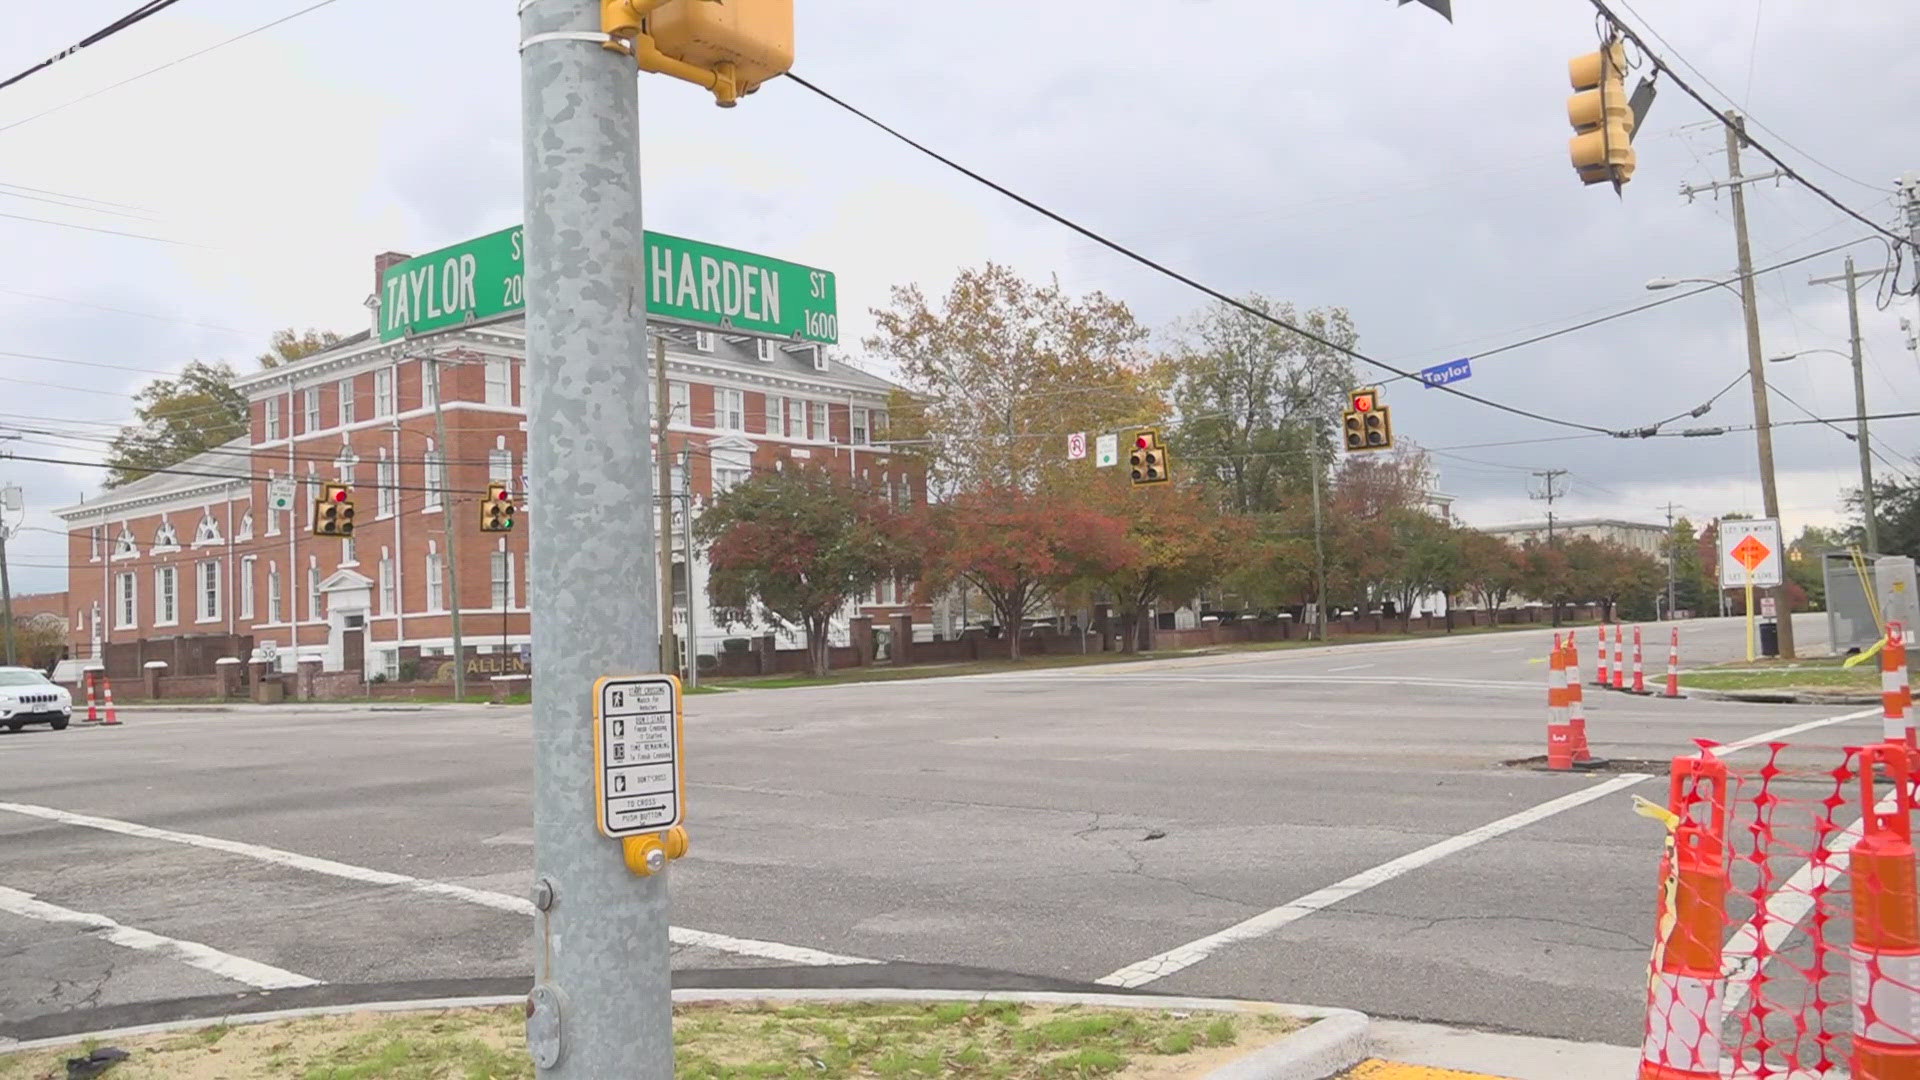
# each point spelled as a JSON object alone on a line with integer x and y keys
{"x": 171, "y": 63}
{"x": 1666, "y": 69}
{"x": 1166, "y": 271}
{"x": 145, "y": 11}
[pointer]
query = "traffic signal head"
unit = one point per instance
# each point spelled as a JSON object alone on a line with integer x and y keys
{"x": 1147, "y": 462}
{"x": 1602, "y": 116}
{"x": 1367, "y": 424}
{"x": 333, "y": 511}
{"x": 728, "y": 48}
{"x": 496, "y": 513}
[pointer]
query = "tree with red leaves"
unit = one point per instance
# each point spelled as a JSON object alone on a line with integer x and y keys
{"x": 1175, "y": 543}
{"x": 1018, "y": 547}
{"x": 794, "y": 548}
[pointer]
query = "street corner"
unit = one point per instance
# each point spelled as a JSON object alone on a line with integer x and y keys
{"x": 1376, "y": 1069}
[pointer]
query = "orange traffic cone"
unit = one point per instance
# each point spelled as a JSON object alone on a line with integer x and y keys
{"x": 1886, "y": 928}
{"x": 1673, "y": 666}
{"x": 1619, "y": 658}
{"x": 1576, "y": 705}
{"x": 1896, "y": 696}
{"x": 1639, "y": 672}
{"x": 93, "y": 701}
{"x": 1600, "y": 676}
{"x": 1559, "y": 731}
{"x": 1686, "y": 994}
{"x": 112, "y": 716}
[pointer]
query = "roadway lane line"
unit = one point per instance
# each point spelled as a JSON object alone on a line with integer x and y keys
{"x": 679, "y": 935}
{"x": 1350, "y": 667}
{"x": 1267, "y": 922}
{"x": 1185, "y": 956}
{"x": 205, "y": 957}
{"x": 1785, "y": 907}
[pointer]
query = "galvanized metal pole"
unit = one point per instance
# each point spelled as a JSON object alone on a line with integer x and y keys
{"x": 6, "y": 596}
{"x": 693, "y": 595}
{"x": 600, "y": 1004}
{"x": 663, "y": 420}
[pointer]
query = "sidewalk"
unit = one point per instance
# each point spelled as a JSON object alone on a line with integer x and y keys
{"x": 1409, "y": 1051}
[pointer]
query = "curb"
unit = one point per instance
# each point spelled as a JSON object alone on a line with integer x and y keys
{"x": 1779, "y": 697}
{"x": 1333, "y": 1040}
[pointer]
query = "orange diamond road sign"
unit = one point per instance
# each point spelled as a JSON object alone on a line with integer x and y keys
{"x": 1751, "y": 552}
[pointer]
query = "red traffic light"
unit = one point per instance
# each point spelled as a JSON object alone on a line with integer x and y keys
{"x": 503, "y": 496}
{"x": 1142, "y": 442}
{"x": 340, "y": 495}
{"x": 1363, "y": 403}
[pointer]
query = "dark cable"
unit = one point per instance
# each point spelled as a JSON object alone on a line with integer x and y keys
{"x": 143, "y": 12}
{"x": 1663, "y": 67}
{"x": 1129, "y": 253}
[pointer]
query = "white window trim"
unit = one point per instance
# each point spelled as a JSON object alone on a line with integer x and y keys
{"x": 386, "y": 596}
{"x": 207, "y": 533}
{"x": 348, "y": 404}
{"x": 763, "y": 349}
{"x": 498, "y": 391}
{"x": 200, "y": 591}
{"x": 704, "y": 340}
{"x": 386, "y": 497}
{"x": 725, "y": 419}
{"x": 165, "y": 539}
{"x": 436, "y": 580}
{"x": 245, "y": 532}
{"x": 276, "y": 594}
{"x": 170, "y": 575}
{"x": 272, "y": 428}
{"x": 310, "y": 409}
{"x": 124, "y": 545}
{"x": 385, "y": 401}
{"x": 96, "y": 542}
{"x": 433, "y": 472}
{"x": 313, "y": 589}
{"x": 126, "y": 601}
{"x": 247, "y": 565}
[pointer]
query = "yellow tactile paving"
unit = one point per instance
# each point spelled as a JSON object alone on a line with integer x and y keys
{"x": 1391, "y": 1070}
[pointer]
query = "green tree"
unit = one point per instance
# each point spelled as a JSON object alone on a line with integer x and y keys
{"x": 1174, "y": 545}
{"x": 1426, "y": 559}
{"x": 1003, "y": 369}
{"x": 1804, "y": 565}
{"x": 196, "y": 410}
{"x": 793, "y": 548}
{"x": 179, "y": 417}
{"x": 1693, "y": 587}
{"x": 287, "y": 346}
{"x": 1257, "y": 401}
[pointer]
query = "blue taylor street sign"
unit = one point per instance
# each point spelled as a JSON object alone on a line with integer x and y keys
{"x": 1442, "y": 374}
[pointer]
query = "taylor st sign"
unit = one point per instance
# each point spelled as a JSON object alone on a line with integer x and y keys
{"x": 688, "y": 282}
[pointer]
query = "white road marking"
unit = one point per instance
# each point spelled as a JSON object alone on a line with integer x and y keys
{"x": 1350, "y": 667}
{"x": 1780, "y": 733}
{"x": 205, "y": 957}
{"x": 1784, "y": 909}
{"x": 1177, "y": 959}
{"x": 1503, "y": 652}
{"x": 679, "y": 935}
{"x": 1185, "y": 956}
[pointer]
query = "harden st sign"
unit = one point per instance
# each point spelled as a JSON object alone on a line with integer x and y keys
{"x": 688, "y": 282}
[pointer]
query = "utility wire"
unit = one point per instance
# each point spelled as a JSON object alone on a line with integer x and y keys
{"x": 1175, "y": 275}
{"x": 139, "y": 14}
{"x": 1695, "y": 68}
{"x": 176, "y": 60}
{"x": 1663, "y": 67}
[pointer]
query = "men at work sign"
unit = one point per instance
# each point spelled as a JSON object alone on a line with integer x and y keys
{"x": 688, "y": 281}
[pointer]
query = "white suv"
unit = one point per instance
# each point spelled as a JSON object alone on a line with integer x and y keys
{"x": 26, "y": 697}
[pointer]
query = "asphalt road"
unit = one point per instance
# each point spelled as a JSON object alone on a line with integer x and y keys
{"x": 1348, "y": 809}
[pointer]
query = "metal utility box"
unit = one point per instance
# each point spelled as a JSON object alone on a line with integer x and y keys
{"x": 1850, "y": 623}
{"x": 755, "y": 36}
{"x": 1893, "y": 579}
{"x": 1850, "y": 615}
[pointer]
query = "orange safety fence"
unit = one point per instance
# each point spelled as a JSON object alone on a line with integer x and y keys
{"x": 1787, "y": 931}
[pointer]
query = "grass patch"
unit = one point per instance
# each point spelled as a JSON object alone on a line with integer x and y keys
{"x": 903, "y": 1041}
{"x": 1816, "y": 674}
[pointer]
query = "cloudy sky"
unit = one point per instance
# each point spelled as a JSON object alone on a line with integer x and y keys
{"x": 1321, "y": 151}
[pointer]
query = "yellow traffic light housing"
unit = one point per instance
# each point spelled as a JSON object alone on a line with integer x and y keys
{"x": 1148, "y": 462}
{"x": 1368, "y": 425}
{"x": 727, "y": 46}
{"x": 496, "y": 513}
{"x": 333, "y": 511}
{"x": 1602, "y": 116}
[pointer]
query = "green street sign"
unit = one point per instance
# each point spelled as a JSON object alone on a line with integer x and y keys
{"x": 689, "y": 282}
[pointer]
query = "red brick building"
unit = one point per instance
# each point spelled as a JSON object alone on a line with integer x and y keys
{"x": 196, "y": 563}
